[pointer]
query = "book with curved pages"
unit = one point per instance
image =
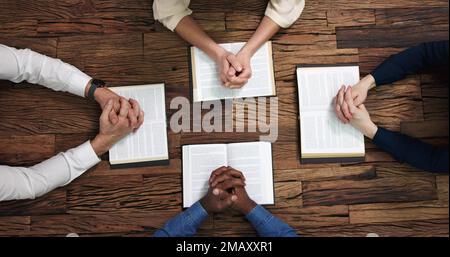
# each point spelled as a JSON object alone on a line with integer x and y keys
{"x": 149, "y": 145}
{"x": 323, "y": 138}
{"x": 206, "y": 84}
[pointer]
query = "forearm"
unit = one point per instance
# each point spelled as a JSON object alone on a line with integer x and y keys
{"x": 185, "y": 224}
{"x": 18, "y": 183}
{"x": 268, "y": 225}
{"x": 265, "y": 31}
{"x": 191, "y": 32}
{"x": 36, "y": 68}
{"x": 411, "y": 61}
{"x": 413, "y": 151}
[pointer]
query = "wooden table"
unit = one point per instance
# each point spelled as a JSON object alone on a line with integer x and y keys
{"x": 119, "y": 41}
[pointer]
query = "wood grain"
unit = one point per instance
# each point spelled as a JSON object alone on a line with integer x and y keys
{"x": 120, "y": 42}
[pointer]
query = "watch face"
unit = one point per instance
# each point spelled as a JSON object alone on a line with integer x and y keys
{"x": 99, "y": 83}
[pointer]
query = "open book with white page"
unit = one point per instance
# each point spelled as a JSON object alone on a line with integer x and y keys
{"x": 253, "y": 159}
{"x": 149, "y": 145}
{"x": 206, "y": 83}
{"x": 324, "y": 138}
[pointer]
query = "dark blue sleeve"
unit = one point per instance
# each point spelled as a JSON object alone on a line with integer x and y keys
{"x": 185, "y": 224}
{"x": 268, "y": 225}
{"x": 433, "y": 55}
{"x": 413, "y": 151}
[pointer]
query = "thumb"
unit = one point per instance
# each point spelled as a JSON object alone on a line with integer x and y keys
{"x": 231, "y": 72}
{"x": 362, "y": 107}
{"x": 235, "y": 63}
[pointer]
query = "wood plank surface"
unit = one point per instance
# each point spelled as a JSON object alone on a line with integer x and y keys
{"x": 120, "y": 42}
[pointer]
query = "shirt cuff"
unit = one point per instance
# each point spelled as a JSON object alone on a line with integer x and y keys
{"x": 81, "y": 159}
{"x": 379, "y": 137}
{"x": 377, "y": 78}
{"x": 258, "y": 216}
{"x": 285, "y": 19}
{"x": 172, "y": 21}
{"x": 197, "y": 214}
{"x": 78, "y": 82}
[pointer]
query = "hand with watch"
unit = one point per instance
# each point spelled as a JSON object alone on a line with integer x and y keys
{"x": 97, "y": 90}
{"x": 119, "y": 116}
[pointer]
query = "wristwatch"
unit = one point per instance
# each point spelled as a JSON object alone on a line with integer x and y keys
{"x": 95, "y": 83}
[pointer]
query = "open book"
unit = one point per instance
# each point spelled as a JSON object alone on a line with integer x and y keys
{"x": 149, "y": 145}
{"x": 254, "y": 160}
{"x": 206, "y": 82}
{"x": 323, "y": 137}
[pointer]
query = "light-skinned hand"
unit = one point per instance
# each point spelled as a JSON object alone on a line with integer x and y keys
{"x": 359, "y": 93}
{"x": 240, "y": 70}
{"x": 360, "y": 116}
{"x": 113, "y": 126}
{"x": 136, "y": 116}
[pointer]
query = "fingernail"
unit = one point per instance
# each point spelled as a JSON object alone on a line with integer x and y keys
{"x": 216, "y": 192}
{"x": 234, "y": 198}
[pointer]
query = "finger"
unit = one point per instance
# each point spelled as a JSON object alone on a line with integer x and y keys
{"x": 116, "y": 107}
{"x": 134, "y": 112}
{"x": 140, "y": 120}
{"x": 217, "y": 172}
{"x": 221, "y": 194}
{"x": 338, "y": 108}
{"x": 223, "y": 173}
{"x": 341, "y": 96}
{"x": 230, "y": 201}
{"x": 349, "y": 101}
{"x": 236, "y": 173}
{"x": 113, "y": 117}
{"x": 231, "y": 73}
{"x": 225, "y": 69}
{"x": 106, "y": 111}
{"x": 231, "y": 183}
{"x": 219, "y": 179}
{"x": 242, "y": 79}
{"x": 124, "y": 108}
{"x": 235, "y": 62}
{"x": 340, "y": 115}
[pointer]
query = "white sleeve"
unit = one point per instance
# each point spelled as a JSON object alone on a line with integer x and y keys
{"x": 285, "y": 12}
{"x": 19, "y": 65}
{"x": 170, "y": 12}
{"x": 17, "y": 183}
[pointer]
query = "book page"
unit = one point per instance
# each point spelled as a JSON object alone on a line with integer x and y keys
{"x": 254, "y": 160}
{"x": 319, "y": 85}
{"x": 149, "y": 143}
{"x": 199, "y": 161}
{"x": 322, "y": 134}
{"x": 207, "y": 80}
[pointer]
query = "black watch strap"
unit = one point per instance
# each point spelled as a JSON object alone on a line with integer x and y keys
{"x": 95, "y": 83}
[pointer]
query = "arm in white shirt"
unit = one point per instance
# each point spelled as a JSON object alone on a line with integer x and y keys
{"x": 282, "y": 12}
{"x": 18, "y": 183}
{"x": 19, "y": 65}
{"x": 29, "y": 183}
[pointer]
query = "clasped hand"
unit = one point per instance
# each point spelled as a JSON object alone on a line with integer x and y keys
{"x": 234, "y": 70}
{"x": 227, "y": 191}
{"x": 119, "y": 118}
{"x": 350, "y": 109}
